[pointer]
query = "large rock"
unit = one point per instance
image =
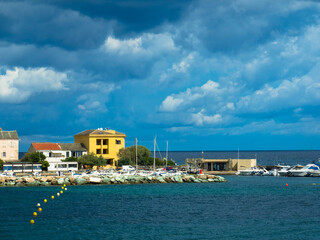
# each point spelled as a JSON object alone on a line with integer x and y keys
{"x": 45, "y": 183}
{"x": 95, "y": 180}
{"x": 43, "y": 179}
{"x": 54, "y": 181}
{"x": 72, "y": 180}
{"x": 81, "y": 181}
{"x": 29, "y": 180}
{"x": 60, "y": 181}
{"x": 49, "y": 178}
{"x": 2, "y": 179}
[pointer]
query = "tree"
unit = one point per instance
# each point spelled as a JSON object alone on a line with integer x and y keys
{"x": 45, "y": 165}
{"x": 127, "y": 156}
{"x": 70, "y": 159}
{"x": 33, "y": 157}
{"x": 91, "y": 160}
{"x": 1, "y": 164}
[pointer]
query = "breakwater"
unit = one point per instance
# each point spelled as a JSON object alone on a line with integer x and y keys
{"x": 120, "y": 179}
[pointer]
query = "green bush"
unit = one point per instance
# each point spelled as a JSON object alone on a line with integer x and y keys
{"x": 33, "y": 157}
{"x": 45, "y": 165}
{"x": 91, "y": 160}
{"x": 1, "y": 164}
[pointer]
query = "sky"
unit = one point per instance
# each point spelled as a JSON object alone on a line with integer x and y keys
{"x": 202, "y": 75}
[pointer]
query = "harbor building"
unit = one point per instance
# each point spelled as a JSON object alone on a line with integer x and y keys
{"x": 9, "y": 146}
{"x": 102, "y": 142}
{"x": 56, "y": 152}
{"x": 219, "y": 166}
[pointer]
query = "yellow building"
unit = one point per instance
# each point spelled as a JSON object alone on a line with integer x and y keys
{"x": 105, "y": 143}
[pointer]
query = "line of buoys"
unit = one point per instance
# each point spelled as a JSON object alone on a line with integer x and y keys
{"x": 35, "y": 214}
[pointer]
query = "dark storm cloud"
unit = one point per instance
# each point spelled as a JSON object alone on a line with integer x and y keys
{"x": 40, "y": 24}
{"x": 241, "y": 25}
{"x": 132, "y": 16}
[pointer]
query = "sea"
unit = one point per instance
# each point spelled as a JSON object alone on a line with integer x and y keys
{"x": 242, "y": 208}
{"x": 265, "y": 157}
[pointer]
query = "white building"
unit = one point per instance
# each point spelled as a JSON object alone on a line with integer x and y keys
{"x": 56, "y": 152}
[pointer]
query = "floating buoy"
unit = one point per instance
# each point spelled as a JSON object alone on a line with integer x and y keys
{"x": 61, "y": 192}
{"x": 65, "y": 189}
{"x": 52, "y": 197}
{"x": 38, "y": 205}
{"x": 31, "y": 221}
{"x": 40, "y": 209}
{"x": 35, "y": 214}
{"x": 45, "y": 200}
{"x": 62, "y": 187}
{"x": 58, "y": 194}
{"x": 286, "y": 184}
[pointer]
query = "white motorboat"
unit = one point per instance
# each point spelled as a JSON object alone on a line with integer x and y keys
{"x": 305, "y": 171}
{"x": 281, "y": 170}
{"x": 248, "y": 172}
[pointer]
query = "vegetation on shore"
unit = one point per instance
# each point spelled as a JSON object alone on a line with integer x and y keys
{"x": 127, "y": 156}
{"x": 36, "y": 157}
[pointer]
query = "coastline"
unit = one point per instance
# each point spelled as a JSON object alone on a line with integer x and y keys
{"x": 6, "y": 181}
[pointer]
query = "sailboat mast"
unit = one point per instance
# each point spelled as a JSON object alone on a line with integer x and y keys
{"x": 238, "y": 160}
{"x": 167, "y": 155}
{"x": 136, "y": 143}
{"x": 154, "y": 154}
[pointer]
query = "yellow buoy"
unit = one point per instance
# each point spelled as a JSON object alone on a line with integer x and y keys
{"x": 65, "y": 189}
{"x": 58, "y": 194}
{"x": 64, "y": 185}
{"x": 40, "y": 209}
{"x": 35, "y": 214}
{"x": 45, "y": 200}
{"x": 52, "y": 197}
{"x": 31, "y": 221}
{"x": 38, "y": 205}
{"x": 61, "y": 192}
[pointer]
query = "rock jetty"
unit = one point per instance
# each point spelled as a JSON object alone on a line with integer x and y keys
{"x": 117, "y": 179}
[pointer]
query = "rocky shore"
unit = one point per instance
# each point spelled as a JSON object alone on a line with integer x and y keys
{"x": 119, "y": 179}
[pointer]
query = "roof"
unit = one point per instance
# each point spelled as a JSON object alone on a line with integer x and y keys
{"x": 99, "y": 132}
{"x": 72, "y": 147}
{"x": 46, "y": 146}
{"x": 9, "y": 135}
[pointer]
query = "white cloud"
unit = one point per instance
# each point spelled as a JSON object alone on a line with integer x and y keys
{"x": 201, "y": 119}
{"x": 19, "y": 84}
{"x": 146, "y": 44}
{"x": 187, "y": 98}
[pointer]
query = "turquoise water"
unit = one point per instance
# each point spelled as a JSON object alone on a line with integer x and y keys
{"x": 242, "y": 208}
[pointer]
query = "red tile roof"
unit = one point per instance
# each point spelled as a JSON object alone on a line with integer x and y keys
{"x": 46, "y": 146}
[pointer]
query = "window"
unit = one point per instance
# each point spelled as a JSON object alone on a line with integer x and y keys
{"x": 68, "y": 154}
{"x": 12, "y": 154}
{"x": 105, "y": 141}
{"x": 4, "y": 154}
{"x": 105, "y": 151}
{"x": 50, "y": 154}
{"x": 4, "y": 144}
{"x": 98, "y": 151}
{"x": 12, "y": 144}
{"x": 98, "y": 141}
{"x": 118, "y": 141}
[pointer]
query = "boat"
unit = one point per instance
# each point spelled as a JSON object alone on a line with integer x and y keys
{"x": 305, "y": 171}
{"x": 248, "y": 172}
{"x": 281, "y": 170}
